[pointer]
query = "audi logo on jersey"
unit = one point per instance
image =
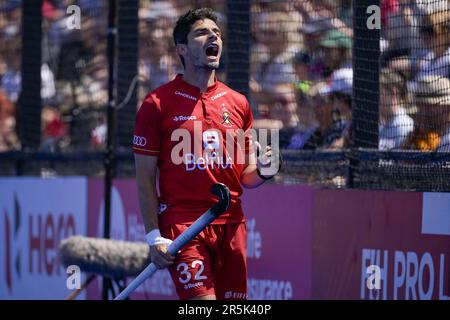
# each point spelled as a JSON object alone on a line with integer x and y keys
{"x": 139, "y": 141}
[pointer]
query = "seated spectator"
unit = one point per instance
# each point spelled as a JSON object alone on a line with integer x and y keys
{"x": 436, "y": 36}
{"x": 54, "y": 130}
{"x": 273, "y": 78}
{"x": 98, "y": 134}
{"x": 6, "y": 107}
{"x": 338, "y": 115}
{"x": 3, "y": 66}
{"x": 432, "y": 121}
{"x": 329, "y": 127}
{"x": 337, "y": 15}
{"x": 434, "y": 32}
{"x": 8, "y": 137}
{"x": 401, "y": 29}
{"x": 337, "y": 51}
{"x": 312, "y": 32}
{"x": 395, "y": 124}
{"x": 156, "y": 65}
{"x": 301, "y": 66}
{"x": 11, "y": 80}
{"x": 48, "y": 89}
{"x": 306, "y": 135}
{"x": 279, "y": 112}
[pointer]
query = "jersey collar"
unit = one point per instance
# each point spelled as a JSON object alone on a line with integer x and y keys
{"x": 187, "y": 86}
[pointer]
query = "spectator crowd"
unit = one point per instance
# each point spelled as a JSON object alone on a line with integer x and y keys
{"x": 301, "y": 76}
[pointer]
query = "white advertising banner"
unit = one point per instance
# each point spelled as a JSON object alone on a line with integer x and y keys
{"x": 35, "y": 215}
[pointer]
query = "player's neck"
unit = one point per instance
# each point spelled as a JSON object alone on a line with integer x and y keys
{"x": 200, "y": 78}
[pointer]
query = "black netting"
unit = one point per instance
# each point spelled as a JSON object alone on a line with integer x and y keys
{"x": 402, "y": 170}
{"x": 61, "y": 92}
{"x": 127, "y": 69}
{"x": 10, "y": 73}
{"x": 301, "y": 83}
{"x": 402, "y": 97}
{"x": 327, "y": 169}
{"x": 237, "y": 59}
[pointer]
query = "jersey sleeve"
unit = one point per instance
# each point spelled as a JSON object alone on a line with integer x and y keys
{"x": 147, "y": 130}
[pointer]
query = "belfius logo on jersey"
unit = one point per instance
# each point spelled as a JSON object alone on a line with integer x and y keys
{"x": 216, "y": 149}
{"x": 212, "y": 158}
{"x": 202, "y": 150}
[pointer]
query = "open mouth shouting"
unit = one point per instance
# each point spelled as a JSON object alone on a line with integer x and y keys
{"x": 212, "y": 51}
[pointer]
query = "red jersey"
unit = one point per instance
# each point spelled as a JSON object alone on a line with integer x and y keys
{"x": 186, "y": 129}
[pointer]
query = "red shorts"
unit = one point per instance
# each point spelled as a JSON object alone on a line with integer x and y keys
{"x": 213, "y": 263}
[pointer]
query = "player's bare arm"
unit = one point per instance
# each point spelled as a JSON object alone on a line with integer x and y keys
{"x": 250, "y": 178}
{"x": 146, "y": 181}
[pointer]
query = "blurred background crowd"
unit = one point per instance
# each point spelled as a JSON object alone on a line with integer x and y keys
{"x": 300, "y": 70}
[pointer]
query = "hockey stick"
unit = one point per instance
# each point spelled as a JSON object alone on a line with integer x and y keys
{"x": 201, "y": 223}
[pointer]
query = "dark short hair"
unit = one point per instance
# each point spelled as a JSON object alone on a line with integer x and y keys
{"x": 185, "y": 22}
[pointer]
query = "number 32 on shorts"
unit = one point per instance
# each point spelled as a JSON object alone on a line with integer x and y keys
{"x": 185, "y": 275}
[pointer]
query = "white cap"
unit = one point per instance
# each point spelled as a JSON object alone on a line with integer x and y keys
{"x": 341, "y": 81}
{"x": 432, "y": 6}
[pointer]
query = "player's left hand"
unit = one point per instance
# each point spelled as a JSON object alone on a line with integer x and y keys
{"x": 264, "y": 158}
{"x": 268, "y": 161}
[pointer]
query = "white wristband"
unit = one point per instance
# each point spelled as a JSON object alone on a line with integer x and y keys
{"x": 154, "y": 237}
{"x": 151, "y": 236}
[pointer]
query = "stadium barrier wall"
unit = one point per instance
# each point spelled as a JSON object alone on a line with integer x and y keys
{"x": 303, "y": 243}
{"x": 35, "y": 214}
{"x": 405, "y": 234}
{"x": 275, "y": 270}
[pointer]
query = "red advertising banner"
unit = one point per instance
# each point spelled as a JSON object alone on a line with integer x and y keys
{"x": 361, "y": 235}
{"x": 302, "y": 243}
{"x": 279, "y": 242}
